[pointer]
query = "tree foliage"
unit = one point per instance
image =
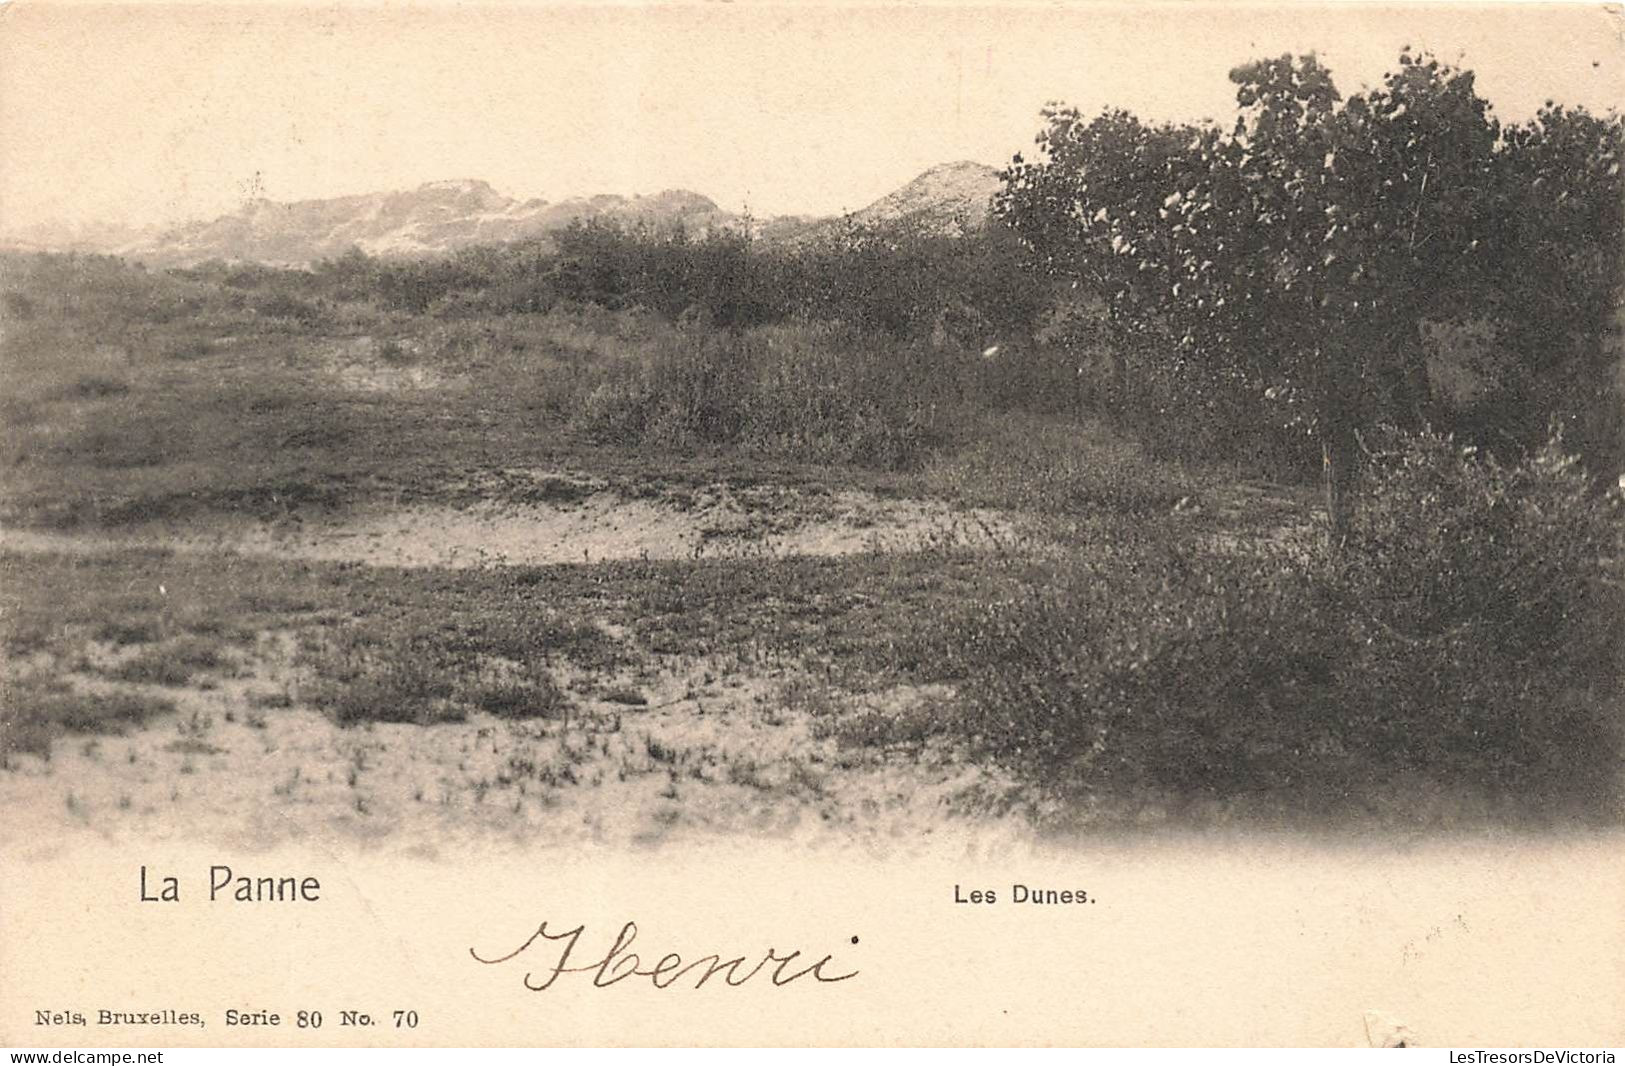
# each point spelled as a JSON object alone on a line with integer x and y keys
{"x": 1297, "y": 253}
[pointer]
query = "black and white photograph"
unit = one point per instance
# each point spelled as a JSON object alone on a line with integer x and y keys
{"x": 812, "y": 523}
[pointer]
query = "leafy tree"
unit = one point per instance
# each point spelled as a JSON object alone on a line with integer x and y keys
{"x": 1557, "y": 261}
{"x": 1299, "y": 252}
{"x": 911, "y": 280}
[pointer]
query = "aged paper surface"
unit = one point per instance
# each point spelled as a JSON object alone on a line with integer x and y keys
{"x": 686, "y": 807}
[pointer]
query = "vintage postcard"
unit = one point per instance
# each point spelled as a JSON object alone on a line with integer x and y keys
{"x": 811, "y": 524}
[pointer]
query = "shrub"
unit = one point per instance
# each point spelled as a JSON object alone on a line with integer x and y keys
{"x": 281, "y": 305}
{"x": 172, "y": 664}
{"x": 1468, "y": 632}
{"x": 1070, "y": 467}
{"x": 1487, "y": 606}
{"x": 806, "y": 393}
{"x": 95, "y": 387}
{"x": 400, "y": 680}
{"x": 17, "y": 306}
{"x": 32, "y": 714}
{"x": 519, "y": 699}
{"x": 1149, "y": 668}
{"x": 394, "y": 353}
{"x": 1448, "y": 538}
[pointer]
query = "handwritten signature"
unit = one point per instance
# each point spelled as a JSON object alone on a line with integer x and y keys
{"x": 620, "y": 963}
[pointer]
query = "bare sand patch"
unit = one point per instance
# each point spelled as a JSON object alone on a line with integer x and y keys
{"x": 601, "y": 528}
{"x": 704, "y": 756}
{"x": 366, "y": 364}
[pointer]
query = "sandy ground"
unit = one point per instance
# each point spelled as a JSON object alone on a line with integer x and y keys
{"x": 364, "y": 364}
{"x": 709, "y": 751}
{"x": 718, "y": 814}
{"x": 705, "y": 755}
{"x": 602, "y": 527}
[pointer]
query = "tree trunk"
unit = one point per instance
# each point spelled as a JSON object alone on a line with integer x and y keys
{"x": 1339, "y": 447}
{"x": 1339, "y": 456}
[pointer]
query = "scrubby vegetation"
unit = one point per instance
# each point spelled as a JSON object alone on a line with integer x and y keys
{"x": 1468, "y": 632}
{"x": 1137, "y": 343}
{"x": 37, "y": 714}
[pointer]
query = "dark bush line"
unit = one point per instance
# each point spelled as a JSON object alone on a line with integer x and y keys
{"x": 33, "y": 715}
{"x": 887, "y": 280}
{"x": 1468, "y": 633}
{"x": 809, "y": 394}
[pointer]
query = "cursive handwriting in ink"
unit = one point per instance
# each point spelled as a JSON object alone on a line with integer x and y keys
{"x": 620, "y": 963}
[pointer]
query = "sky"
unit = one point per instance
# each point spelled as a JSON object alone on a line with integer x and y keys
{"x": 144, "y": 112}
